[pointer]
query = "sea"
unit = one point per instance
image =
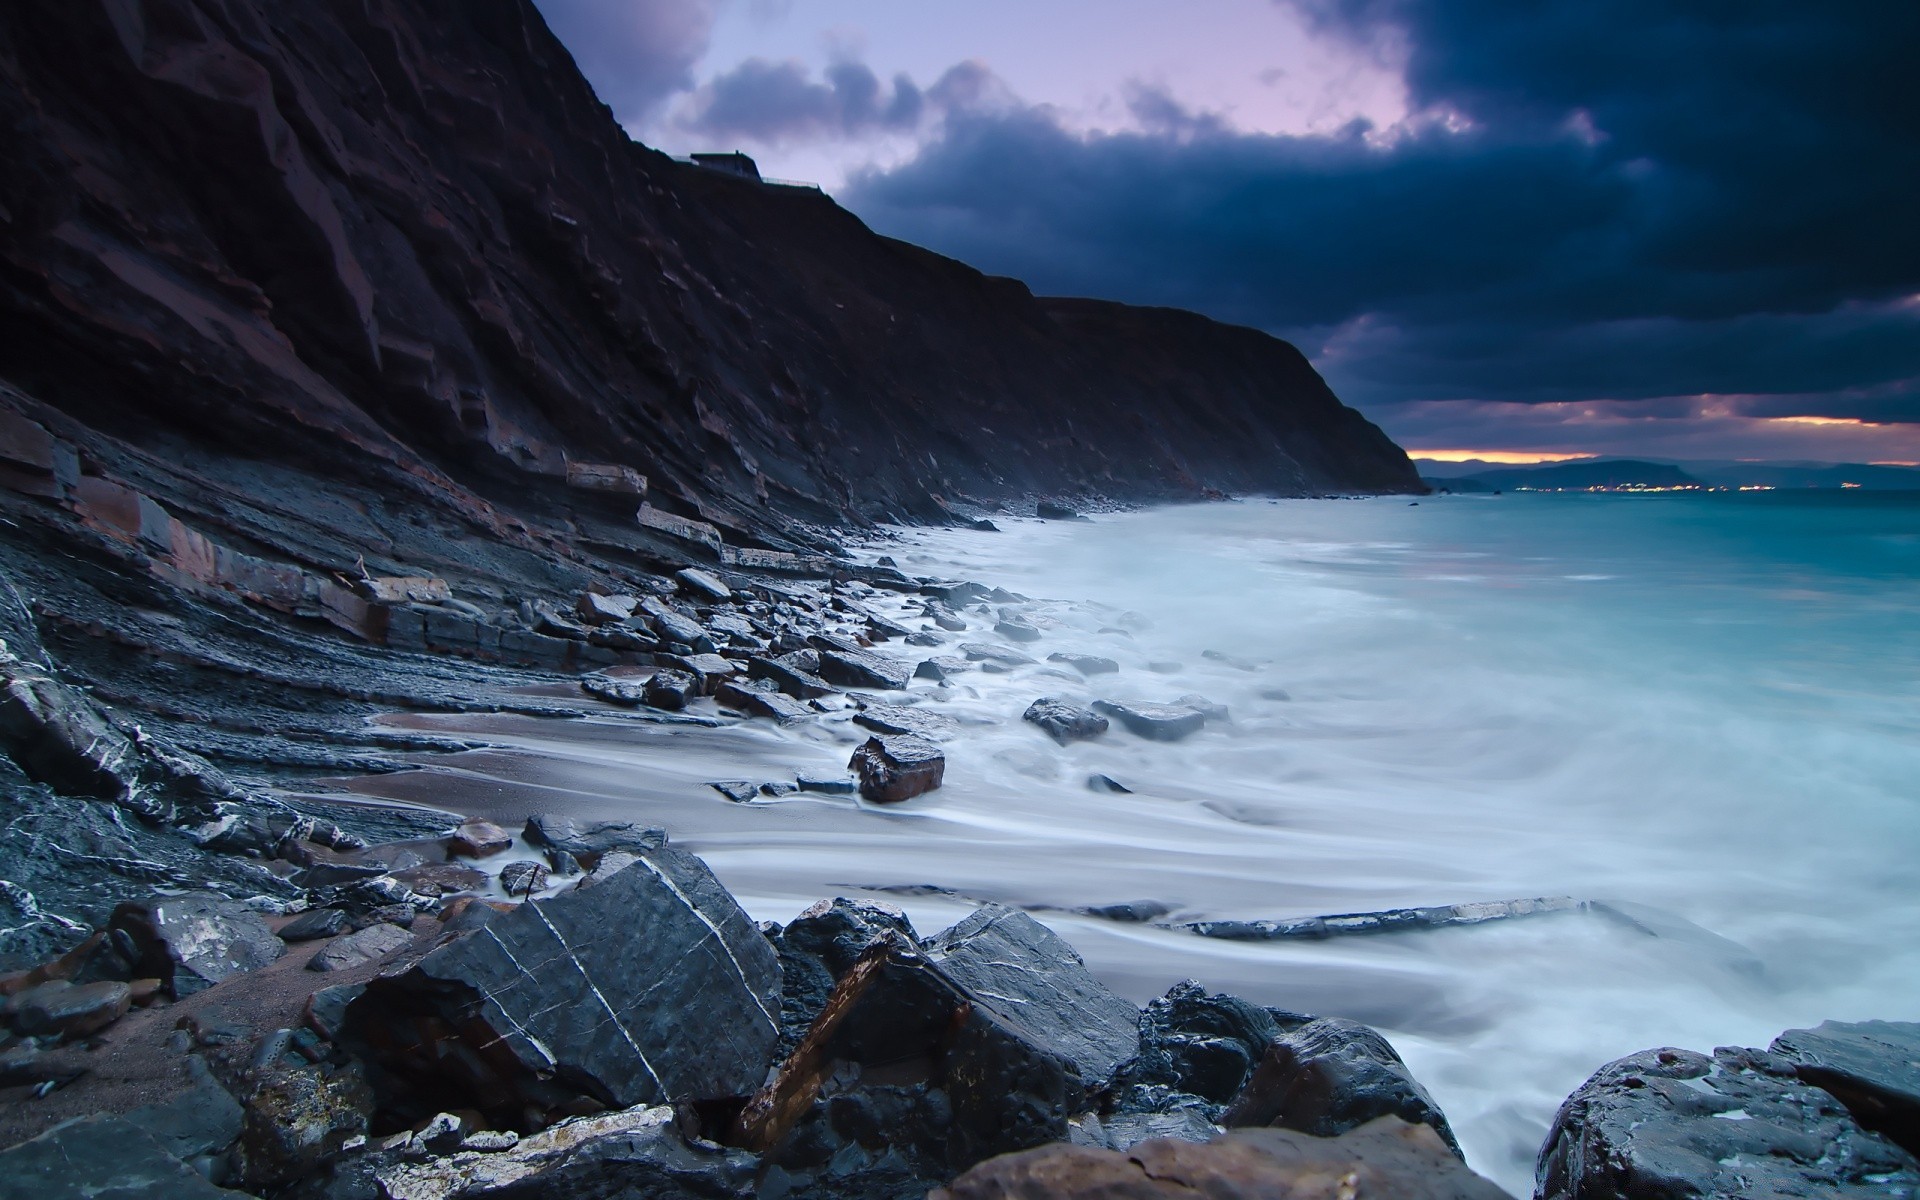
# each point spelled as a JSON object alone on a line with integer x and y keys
{"x": 1701, "y": 711}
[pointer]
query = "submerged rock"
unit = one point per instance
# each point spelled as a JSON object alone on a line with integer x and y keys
{"x": 1086, "y": 664}
{"x": 863, "y": 669}
{"x": 981, "y": 652}
{"x": 1064, "y": 722}
{"x": 901, "y": 719}
{"x": 650, "y": 986}
{"x": 898, "y": 768}
{"x": 1201, "y": 1044}
{"x": 775, "y": 706}
{"x": 1156, "y": 722}
{"x": 478, "y": 839}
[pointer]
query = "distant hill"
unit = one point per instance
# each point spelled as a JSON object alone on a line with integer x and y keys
{"x": 1806, "y": 475}
{"x": 1585, "y": 473}
{"x": 1482, "y": 476}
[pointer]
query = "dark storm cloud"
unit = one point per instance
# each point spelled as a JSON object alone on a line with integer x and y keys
{"x": 636, "y": 53}
{"x": 770, "y": 102}
{"x": 1626, "y": 199}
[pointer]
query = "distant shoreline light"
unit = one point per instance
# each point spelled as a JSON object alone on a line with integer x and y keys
{"x": 1518, "y": 457}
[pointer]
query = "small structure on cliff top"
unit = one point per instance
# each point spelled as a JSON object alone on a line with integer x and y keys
{"x": 735, "y": 163}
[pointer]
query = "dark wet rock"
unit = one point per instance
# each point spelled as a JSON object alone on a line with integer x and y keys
{"x": 1086, "y": 664}
{"x": 354, "y": 949}
{"x": 823, "y": 641}
{"x": 740, "y": 791}
{"x": 588, "y": 840}
{"x": 674, "y": 627}
{"x": 595, "y": 609}
{"x": 1065, "y": 722}
{"x": 60, "y": 737}
{"x": 58, "y": 1008}
{"x": 801, "y": 685}
{"x": 1123, "y": 1131}
{"x": 629, "y": 691}
{"x": 898, "y": 768}
{"x": 925, "y": 640}
{"x": 1668, "y": 1124}
{"x": 439, "y": 879}
{"x": 1053, "y": 511}
{"x": 774, "y": 706}
{"x": 650, "y": 985}
{"x": 1201, "y": 1044}
{"x": 1205, "y": 707}
{"x": 198, "y": 1124}
{"x": 981, "y": 652}
{"x": 1237, "y": 663}
{"x": 819, "y": 946}
{"x": 703, "y": 585}
{"x": 314, "y": 924}
{"x": 523, "y": 878}
{"x": 942, "y": 668}
{"x": 863, "y": 669}
{"x": 954, "y": 595}
{"x": 902, "y": 719}
{"x": 1015, "y": 629}
{"x": 478, "y": 839}
{"x": 1155, "y": 722}
{"x": 192, "y": 942}
{"x": 1131, "y": 912}
{"x": 326, "y": 1010}
{"x": 946, "y": 618}
{"x": 1388, "y": 1158}
{"x": 1037, "y": 978}
{"x": 778, "y": 788}
{"x": 1392, "y": 920}
{"x": 1332, "y": 1075}
{"x": 297, "y": 1119}
{"x": 1872, "y": 1067}
{"x": 20, "y": 1064}
{"x": 101, "y": 1158}
{"x": 671, "y": 690}
{"x": 629, "y": 1155}
{"x": 1108, "y": 785}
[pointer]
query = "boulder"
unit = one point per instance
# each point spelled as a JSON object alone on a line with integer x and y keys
{"x": 696, "y": 582}
{"x": 740, "y": 791}
{"x": 101, "y": 1158}
{"x": 1200, "y": 1044}
{"x": 673, "y": 627}
{"x": 1108, "y": 785}
{"x": 1065, "y": 722}
{"x": 1039, "y": 980}
{"x": 59, "y": 737}
{"x": 1332, "y": 1075}
{"x": 629, "y": 691}
{"x": 586, "y": 841}
{"x": 942, "y": 667}
{"x": 903, "y": 719}
{"x": 801, "y": 685}
{"x": 819, "y": 946}
{"x": 523, "y": 878}
{"x": 1014, "y": 629}
{"x": 478, "y": 839}
{"x": 1388, "y": 1158}
{"x": 671, "y": 690}
{"x": 1205, "y": 707}
{"x": 984, "y": 653}
{"x": 862, "y": 669}
{"x": 1049, "y": 510}
{"x": 648, "y": 986}
{"x": 189, "y": 943}
{"x": 297, "y": 1119}
{"x": 1872, "y": 1067}
{"x": 898, "y": 768}
{"x": 355, "y": 949}
{"x": 58, "y": 1008}
{"x": 196, "y": 1124}
{"x": 596, "y": 609}
{"x": 1156, "y": 722}
{"x": 774, "y": 706}
{"x": 1086, "y": 664}
{"x": 1667, "y": 1124}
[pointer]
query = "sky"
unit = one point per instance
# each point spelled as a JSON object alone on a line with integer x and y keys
{"x": 1622, "y": 227}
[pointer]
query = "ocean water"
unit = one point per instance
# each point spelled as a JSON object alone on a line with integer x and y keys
{"x": 1706, "y": 705}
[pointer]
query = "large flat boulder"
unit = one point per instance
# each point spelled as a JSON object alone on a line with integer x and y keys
{"x": 1676, "y": 1125}
{"x": 1872, "y": 1067}
{"x": 893, "y": 769}
{"x": 649, "y": 987}
{"x": 1388, "y": 1158}
{"x": 1155, "y": 722}
{"x": 1064, "y": 722}
{"x": 189, "y": 943}
{"x": 864, "y": 669}
{"x": 101, "y": 1158}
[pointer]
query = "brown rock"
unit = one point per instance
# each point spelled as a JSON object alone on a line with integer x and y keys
{"x": 898, "y": 768}
{"x": 1386, "y": 1159}
{"x": 62, "y": 1008}
{"x": 478, "y": 839}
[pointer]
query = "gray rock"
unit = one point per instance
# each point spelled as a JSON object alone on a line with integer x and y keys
{"x": 588, "y": 840}
{"x": 1332, "y": 1075}
{"x": 100, "y": 1158}
{"x": 1130, "y": 912}
{"x": 297, "y": 1119}
{"x": 649, "y": 986}
{"x": 740, "y": 791}
{"x": 902, "y": 719}
{"x": 981, "y": 652}
{"x": 700, "y": 583}
{"x": 1205, "y": 707}
{"x": 1050, "y": 510}
{"x": 832, "y": 785}
{"x": 942, "y": 667}
{"x": 1156, "y": 722}
{"x": 346, "y": 953}
{"x": 819, "y": 946}
{"x": 898, "y": 768}
{"x": 58, "y": 1008}
{"x": 1037, "y": 981}
{"x": 1872, "y": 1067}
{"x": 673, "y": 627}
{"x": 774, "y": 706}
{"x": 671, "y": 690}
{"x": 1086, "y": 664}
{"x": 946, "y": 618}
{"x": 801, "y": 685}
{"x": 1065, "y": 722}
{"x": 60, "y": 738}
{"x": 1016, "y": 630}
{"x": 523, "y": 878}
{"x": 1108, "y": 785}
{"x": 1392, "y": 920}
{"x": 1673, "y": 1124}
{"x": 192, "y": 942}
{"x": 864, "y": 669}
{"x": 595, "y": 609}
{"x": 198, "y": 1123}
{"x": 629, "y": 691}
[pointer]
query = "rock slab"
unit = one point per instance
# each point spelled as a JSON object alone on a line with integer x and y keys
{"x": 898, "y": 768}
{"x": 189, "y": 943}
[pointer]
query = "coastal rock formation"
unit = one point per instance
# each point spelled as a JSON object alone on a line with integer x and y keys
{"x": 1329, "y": 1076}
{"x": 1872, "y": 1067}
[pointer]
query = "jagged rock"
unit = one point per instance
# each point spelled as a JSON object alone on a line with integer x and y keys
{"x": 596, "y": 609}
{"x": 942, "y": 668}
{"x": 1872, "y": 1067}
{"x": 672, "y": 627}
{"x": 326, "y": 1009}
{"x": 925, "y": 640}
{"x": 832, "y": 785}
{"x": 1016, "y": 630}
{"x": 613, "y": 1156}
{"x": 819, "y": 946}
{"x": 946, "y": 618}
{"x": 898, "y": 768}
{"x": 523, "y": 878}
{"x": 1086, "y": 664}
{"x": 1668, "y": 1124}
{"x": 192, "y": 942}
{"x": 346, "y": 953}
{"x": 1108, "y": 785}
{"x": 606, "y": 477}
{"x": 58, "y": 1008}
{"x": 1131, "y": 912}
{"x": 1041, "y": 981}
{"x": 1123, "y": 1131}
{"x": 101, "y": 1158}
{"x": 980, "y": 652}
{"x": 901, "y": 719}
{"x": 1332, "y": 1075}
{"x": 1064, "y": 722}
{"x": 1387, "y": 1158}
{"x": 671, "y": 690}
{"x": 478, "y": 839}
{"x": 198, "y": 1124}
{"x": 862, "y": 669}
{"x": 588, "y": 840}
{"x": 1201, "y": 1044}
{"x": 629, "y": 691}
{"x": 775, "y": 706}
{"x": 1156, "y": 722}
{"x": 437, "y": 879}
{"x": 648, "y": 986}
{"x": 740, "y": 791}
{"x": 801, "y": 685}
{"x": 298, "y": 1119}
{"x": 703, "y": 585}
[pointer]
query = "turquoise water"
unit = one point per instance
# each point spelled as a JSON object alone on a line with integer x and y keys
{"x": 1705, "y": 705}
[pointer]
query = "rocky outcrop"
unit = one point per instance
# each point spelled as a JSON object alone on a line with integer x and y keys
{"x": 1329, "y": 1076}
{"x": 1872, "y": 1067}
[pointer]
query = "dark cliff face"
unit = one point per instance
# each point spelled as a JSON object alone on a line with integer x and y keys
{"x": 401, "y": 240}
